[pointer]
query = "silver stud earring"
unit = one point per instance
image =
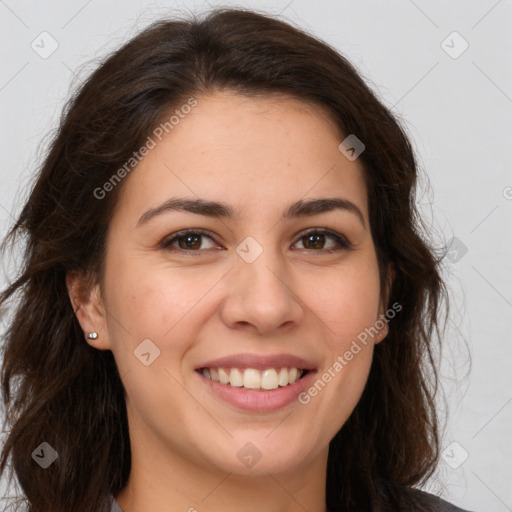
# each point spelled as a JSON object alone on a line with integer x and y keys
{"x": 92, "y": 335}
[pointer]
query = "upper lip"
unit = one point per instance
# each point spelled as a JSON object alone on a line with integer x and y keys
{"x": 259, "y": 362}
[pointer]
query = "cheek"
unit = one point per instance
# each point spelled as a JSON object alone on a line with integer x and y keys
{"x": 348, "y": 303}
{"x": 154, "y": 302}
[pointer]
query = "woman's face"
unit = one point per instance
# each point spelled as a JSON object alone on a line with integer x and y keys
{"x": 266, "y": 285}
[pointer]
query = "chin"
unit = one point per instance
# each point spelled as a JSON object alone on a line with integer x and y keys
{"x": 256, "y": 455}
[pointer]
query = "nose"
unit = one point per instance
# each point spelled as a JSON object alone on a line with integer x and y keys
{"x": 262, "y": 296}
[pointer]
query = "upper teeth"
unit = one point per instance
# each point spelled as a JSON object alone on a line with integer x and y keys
{"x": 251, "y": 378}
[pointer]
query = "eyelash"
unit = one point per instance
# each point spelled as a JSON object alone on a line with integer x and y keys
{"x": 342, "y": 242}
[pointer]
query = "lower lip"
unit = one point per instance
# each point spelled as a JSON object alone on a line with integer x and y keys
{"x": 258, "y": 401}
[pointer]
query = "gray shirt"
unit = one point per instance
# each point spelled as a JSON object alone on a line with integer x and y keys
{"x": 434, "y": 503}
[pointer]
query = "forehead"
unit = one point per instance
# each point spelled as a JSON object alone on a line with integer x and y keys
{"x": 250, "y": 152}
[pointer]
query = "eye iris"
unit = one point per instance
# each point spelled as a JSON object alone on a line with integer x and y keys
{"x": 315, "y": 239}
{"x": 190, "y": 238}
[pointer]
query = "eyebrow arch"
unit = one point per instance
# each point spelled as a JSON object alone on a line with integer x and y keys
{"x": 216, "y": 209}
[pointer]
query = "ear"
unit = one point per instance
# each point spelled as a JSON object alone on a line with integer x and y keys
{"x": 383, "y": 306}
{"x": 85, "y": 296}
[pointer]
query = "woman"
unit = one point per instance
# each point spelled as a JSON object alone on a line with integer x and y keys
{"x": 227, "y": 300}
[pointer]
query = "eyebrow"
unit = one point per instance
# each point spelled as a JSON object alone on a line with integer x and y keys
{"x": 301, "y": 208}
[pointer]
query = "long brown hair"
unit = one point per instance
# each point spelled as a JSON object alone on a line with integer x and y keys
{"x": 59, "y": 390}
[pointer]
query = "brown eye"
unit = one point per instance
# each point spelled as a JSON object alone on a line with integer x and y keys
{"x": 314, "y": 241}
{"x": 318, "y": 239}
{"x": 188, "y": 241}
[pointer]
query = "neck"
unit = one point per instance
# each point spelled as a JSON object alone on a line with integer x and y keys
{"x": 159, "y": 480}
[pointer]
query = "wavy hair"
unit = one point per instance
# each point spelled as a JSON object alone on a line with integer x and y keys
{"x": 58, "y": 389}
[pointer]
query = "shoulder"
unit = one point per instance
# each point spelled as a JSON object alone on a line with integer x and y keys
{"x": 424, "y": 501}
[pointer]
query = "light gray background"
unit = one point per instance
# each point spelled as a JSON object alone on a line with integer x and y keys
{"x": 458, "y": 112}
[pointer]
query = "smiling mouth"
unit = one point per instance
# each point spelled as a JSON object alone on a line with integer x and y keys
{"x": 253, "y": 379}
